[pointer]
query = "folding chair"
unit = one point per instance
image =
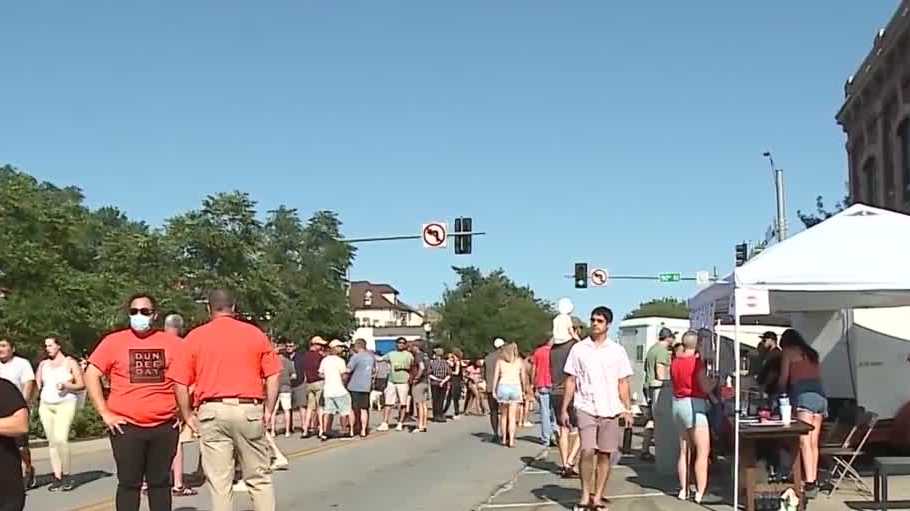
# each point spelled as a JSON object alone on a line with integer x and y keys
{"x": 844, "y": 457}
{"x": 841, "y": 432}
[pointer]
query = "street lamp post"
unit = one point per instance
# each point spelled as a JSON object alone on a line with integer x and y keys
{"x": 779, "y": 191}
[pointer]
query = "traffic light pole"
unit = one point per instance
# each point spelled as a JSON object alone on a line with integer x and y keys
{"x": 644, "y": 277}
{"x": 408, "y": 237}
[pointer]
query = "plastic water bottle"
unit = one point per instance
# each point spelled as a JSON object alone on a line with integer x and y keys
{"x": 785, "y": 410}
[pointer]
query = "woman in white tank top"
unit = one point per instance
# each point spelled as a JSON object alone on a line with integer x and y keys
{"x": 59, "y": 379}
{"x": 509, "y": 380}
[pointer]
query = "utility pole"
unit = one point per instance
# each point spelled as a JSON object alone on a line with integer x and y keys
{"x": 779, "y": 191}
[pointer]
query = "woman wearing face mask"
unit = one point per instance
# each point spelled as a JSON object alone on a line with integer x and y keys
{"x": 140, "y": 411}
{"x": 59, "y": 378}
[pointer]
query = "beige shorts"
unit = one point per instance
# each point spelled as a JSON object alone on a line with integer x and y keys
{"x": 283, "y": 402}
{"x": 396, "y": 394}
{"x": 314, "y": 395}
{"x": 602, "y": 434}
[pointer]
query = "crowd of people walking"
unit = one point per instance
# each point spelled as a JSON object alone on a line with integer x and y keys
{"x": 232, "y": 389}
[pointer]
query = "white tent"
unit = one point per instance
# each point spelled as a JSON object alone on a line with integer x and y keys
{"x": 855, "y": 259}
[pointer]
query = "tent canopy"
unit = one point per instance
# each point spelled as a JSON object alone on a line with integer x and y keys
{"x": 855, "y": 259}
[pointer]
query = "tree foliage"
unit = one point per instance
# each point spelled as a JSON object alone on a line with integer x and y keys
{"x": 661, "y": 307}
{"x": 483, "y": 307}
{"x": 821, "y": 212}
{"x": 66, "y": 270}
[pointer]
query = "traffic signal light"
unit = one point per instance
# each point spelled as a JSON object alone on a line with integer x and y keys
{"x": 581, "y": 275}
{"x": 742, "y": 250}
{"x": 462, "y": 242}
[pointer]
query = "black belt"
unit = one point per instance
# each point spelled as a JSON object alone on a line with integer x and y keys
{"x": 233, "y": 400}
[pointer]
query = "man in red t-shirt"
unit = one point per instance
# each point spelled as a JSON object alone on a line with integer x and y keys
{"x": 543, "y": 383}
{"x": 227, "y": 360}
{"x": 140, "y": 411}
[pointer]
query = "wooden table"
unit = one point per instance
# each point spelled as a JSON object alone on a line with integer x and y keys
{"x": 749, "y": 436}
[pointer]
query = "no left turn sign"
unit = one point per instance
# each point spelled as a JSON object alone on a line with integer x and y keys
{"x": 599, "y": 277}
{"x": 435, "y": 235}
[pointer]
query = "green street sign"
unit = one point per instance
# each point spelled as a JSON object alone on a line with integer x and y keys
{"x": 668, "y": 277}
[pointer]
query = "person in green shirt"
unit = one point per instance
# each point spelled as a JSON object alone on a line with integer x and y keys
{"x": 398, "y": 389}
{"x": 657, "y": 371}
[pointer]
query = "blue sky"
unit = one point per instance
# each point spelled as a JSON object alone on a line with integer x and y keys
{"x": 625, "y": 134}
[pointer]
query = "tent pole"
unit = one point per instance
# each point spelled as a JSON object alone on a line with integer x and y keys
{"x": 718, "y": 346}
{"x": 738, "y": 403}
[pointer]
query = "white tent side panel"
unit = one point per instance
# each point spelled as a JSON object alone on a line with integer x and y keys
{"x": 825, "y": 332}
{"x": 880, "y": 341}
{"x": 867, "y": 361}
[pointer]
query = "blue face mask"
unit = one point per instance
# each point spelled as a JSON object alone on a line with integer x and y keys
{"x": 140, "y": 323}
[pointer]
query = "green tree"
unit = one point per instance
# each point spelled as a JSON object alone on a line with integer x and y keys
{"x": 483, "y": 307}
{"x": 311, "y": 262}
{"x": 222, "y": 245}
{"x": 65, "y": 270}
{"x": 661, "y": 307}
{"x": 821, "y": 212}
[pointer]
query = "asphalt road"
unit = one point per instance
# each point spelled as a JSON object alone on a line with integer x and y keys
{"x": 451, "y": 467}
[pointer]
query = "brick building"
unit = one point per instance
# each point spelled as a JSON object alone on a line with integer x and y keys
{"x": 876, "y": 118}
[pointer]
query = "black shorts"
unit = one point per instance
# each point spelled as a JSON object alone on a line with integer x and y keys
{"x": 22, "y": 441}
{"x": 556, "y": 407}
{"x": 360, "y": 400}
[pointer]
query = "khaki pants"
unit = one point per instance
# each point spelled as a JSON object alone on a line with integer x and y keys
{"x": 225, "y": 429}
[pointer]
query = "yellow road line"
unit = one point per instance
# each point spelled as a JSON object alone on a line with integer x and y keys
{"x": 108, "y": 504}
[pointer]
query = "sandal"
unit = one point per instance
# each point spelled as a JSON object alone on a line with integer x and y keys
{"x": 602, "y": 505}
{"x": 569, "y": 473}
{"x": 29, "y": 479}
{"x": 184, "y": 491}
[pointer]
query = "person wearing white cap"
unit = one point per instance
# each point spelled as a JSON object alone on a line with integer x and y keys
{"x": 489, "y": 367}
{"x": 567, "y": 431}
{"x": 562, "y": 323}
{"x": 335, "y": 394}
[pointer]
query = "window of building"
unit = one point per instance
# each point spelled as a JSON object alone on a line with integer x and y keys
{"x": 870, "y": 182}
{"x": 903, "y": 135}
{"x": 368, "y": 298}
{"x": 639, "y": 353}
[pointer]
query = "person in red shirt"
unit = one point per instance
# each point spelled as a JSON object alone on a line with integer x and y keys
{"x": 691, "y": 387}
{"x": 140, "y": 410}
{"x": 227, "y": 361}
{"x": 308, "y": 369}
{"x": 540, "y": 361}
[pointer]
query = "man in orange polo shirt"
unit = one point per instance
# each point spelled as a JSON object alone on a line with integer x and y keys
{"x": 140, "y": 411}
{"x": 227, "y": 359}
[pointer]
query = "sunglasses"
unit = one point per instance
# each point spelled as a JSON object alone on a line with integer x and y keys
{"x": 598, "y": 320}
{"x": 145, "y": 311}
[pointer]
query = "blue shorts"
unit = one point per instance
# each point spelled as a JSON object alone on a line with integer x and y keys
{"x": 338, "y": 405}
{"x": 812, "y": 402}
{"x": 690, "y": 412}
{"x": 509, "y": 393}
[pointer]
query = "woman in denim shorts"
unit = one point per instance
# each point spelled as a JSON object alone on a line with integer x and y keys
{"x": 691, "y": 387}
{"x": 800, "y": 377}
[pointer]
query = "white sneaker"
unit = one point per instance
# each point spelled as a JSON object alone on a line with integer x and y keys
{"x": 528, "y": 425}
{"x": 383, "y": 427}
{"x": 279, "y": 465}
{"x": 683, "y": 494}
{"x": 698, "y": 498}
{"x": 399, "y": 427}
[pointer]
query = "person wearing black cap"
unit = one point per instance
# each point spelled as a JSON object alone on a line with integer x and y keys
{"x": 767, "y": 346}
{"x": 657, "y": 371}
